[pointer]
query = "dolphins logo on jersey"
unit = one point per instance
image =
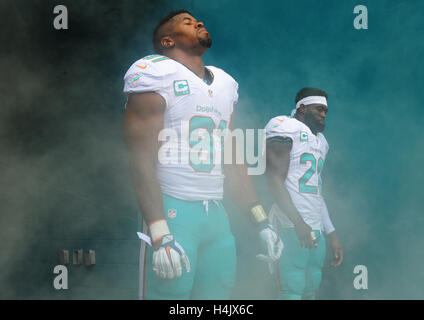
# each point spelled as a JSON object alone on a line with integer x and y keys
{"x": 134, "y": 79}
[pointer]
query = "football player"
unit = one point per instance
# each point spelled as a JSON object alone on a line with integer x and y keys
{"x": 194, "y": 254}
{"x": 296, "y": 152}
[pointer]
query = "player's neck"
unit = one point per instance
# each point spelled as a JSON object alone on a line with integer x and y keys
{"x": 311, "y": 127}
{"x": 193, "y": 62}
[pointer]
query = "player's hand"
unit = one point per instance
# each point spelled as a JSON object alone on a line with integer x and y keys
{"x": 272, "y": 242}
{"x": 337, "y": 249}
{"x": 303, "y": 232}
{"x": 168, "y": 257}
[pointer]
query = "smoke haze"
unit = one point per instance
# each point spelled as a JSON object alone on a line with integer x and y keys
{"x": 65, "y": 179}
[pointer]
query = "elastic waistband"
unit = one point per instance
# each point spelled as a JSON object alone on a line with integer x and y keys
{"x": 206, "y": 204}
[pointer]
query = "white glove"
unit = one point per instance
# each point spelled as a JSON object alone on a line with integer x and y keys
{"x": 168, "y": 257}
{"x": 274, "y": 245}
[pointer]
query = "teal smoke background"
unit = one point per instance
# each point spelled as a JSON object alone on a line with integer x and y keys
{"x": 65, "y": 180}
{"x": 372, "y": 176}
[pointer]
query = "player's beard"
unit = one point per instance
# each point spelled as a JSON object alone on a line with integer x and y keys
{"x": 313, "y": 123}
{"x": 207, "y": 43}
{"x": 320, "y": 127}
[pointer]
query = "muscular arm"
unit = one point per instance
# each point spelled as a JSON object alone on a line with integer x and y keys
{"x": 241, "y": 189}
{"x": 326, "y": 221}
{"x": 335, "y": 243}
{"x": 278, "y": 161}
{"x": 142, "y": 123}
{"x": 238, "y": 183}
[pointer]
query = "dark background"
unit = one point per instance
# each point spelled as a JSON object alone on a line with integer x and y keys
{"x": 65, "y": 182}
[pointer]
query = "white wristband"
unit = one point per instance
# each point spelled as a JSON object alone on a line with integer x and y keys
{"x": 158, "y": 229}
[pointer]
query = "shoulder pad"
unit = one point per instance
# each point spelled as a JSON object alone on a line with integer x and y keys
{"x": 325, "y": 141}
{"x": 154, "y": 66}
{"x": 149, "y": 75}
{"x": 284, "y": 123}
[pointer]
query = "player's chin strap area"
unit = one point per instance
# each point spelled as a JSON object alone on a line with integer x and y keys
{"x": 309, "y": 100}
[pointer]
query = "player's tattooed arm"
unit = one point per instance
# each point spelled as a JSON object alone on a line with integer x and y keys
{"x": 277, "y": 167}
{"x": 143, "y": 121}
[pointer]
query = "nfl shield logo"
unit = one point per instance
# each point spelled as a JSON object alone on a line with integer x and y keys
{"x": 172, "y": 213}
{"x": 210, "y": 92}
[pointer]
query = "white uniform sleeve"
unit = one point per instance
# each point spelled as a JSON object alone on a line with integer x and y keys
{"x": 236, "y": 96}
{"x": 326, "y": 221}
{"x": 282, "y": 127}
{"x": 326, "y": 146}
{"x": 143, "y": 76}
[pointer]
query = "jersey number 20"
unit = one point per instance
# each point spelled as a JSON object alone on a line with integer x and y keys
{"x": 314, "y": 169}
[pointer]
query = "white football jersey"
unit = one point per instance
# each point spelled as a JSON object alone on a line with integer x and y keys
{"x": 303, "y": 181}
{"x": 193, "y": 110}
